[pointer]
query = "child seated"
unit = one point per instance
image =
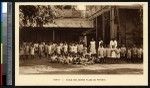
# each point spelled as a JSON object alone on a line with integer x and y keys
{"x": 70, "y": 58}
{"x": 60, "y": 59}
{"x": 53, "y": 58}
{"x": 66, "y": 60}
{"x": 83, "y": 60}
{"x": 78, "y": 59}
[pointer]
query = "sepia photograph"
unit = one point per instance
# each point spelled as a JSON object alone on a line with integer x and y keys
{"x": 80, "y": 39}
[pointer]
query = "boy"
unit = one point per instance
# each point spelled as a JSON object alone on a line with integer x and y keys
{"x": 58, "y": 49}
{"x": 32, "y": 51}
{"x": 129, "y": 54}
{"x": 118, "y": 51}
{"x": 27, "y": 50}
{"x": 53, "y": 58}
{"x": 21, "y": 52}
{"x": 123, "y": 52}
{"x": 118, "y": 54}
{"x": 140, "y": 54}
{"x": 84, "y": 50}
{"x": 134, "y": 53}
{"x": 100, "y": 53}
{"x": 75, "y": 49}
{"x": 108, "y": 53}
{"x": 113, "y": 54}
{"x": 36, "y": 45}
{"x": 65, "y": 48}
{"x": 49, "y": 49}
{"x": 41, "y": 49}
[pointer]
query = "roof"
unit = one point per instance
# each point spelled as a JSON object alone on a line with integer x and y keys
{"x": 71, "y": 23}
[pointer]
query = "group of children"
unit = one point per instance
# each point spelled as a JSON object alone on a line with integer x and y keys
{"x": 78, "y": 53}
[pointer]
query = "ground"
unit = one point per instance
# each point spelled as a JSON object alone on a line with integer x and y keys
{"x": 42, "y": 66}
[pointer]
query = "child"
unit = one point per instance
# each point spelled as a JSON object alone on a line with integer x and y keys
{"x": 36, "y": 45}
{"x": 49, "y": 48}
{"x": 83, "y": 60}
{"x": 118, "y": 55}
{"x": 128, "y": 53}
{"x": 65, "y": 49}
{"x": 53, "y": 58}
{"x": 32, "y": 51}
{"x": 113, "y": 54}
{"x": 108, "y": 53}
{"x": 100, "y": 53}
{"x": 84, "y": 50}
{"x": 75, "y": 49}
{"x": 134, "y": 53}
{"x": 74, "y": 59}
{"x": 118, "y": 51}
{"x": 70, "y": 58}
{"x": 123, "y": 52}
{"x": 80, "y": 49}
{"x": 104, "y": 54}
{"x": 59, "y": 59}
{"x": 71, "y": 47}
{"x": 21, "y": 52}
{"x": 58, "y": 49}
{"x": 27, "y": 51}
{"x": 66, "y": 60}
{"x": 140, "y": 54}
{"x": 92, "y": 47}
{"x": 41, "y": 49}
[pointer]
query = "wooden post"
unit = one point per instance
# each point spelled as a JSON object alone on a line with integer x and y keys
{"x": 112, "y": 34}
{"x": 118, "y": 30}
{"x": 96, "y": 37}
{"x": 103, "y": 26}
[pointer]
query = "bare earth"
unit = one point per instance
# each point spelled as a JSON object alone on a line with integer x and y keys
{"x": 42, "y": 66}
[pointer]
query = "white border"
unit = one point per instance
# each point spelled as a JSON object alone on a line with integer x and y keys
{"x": 110, "y": 80}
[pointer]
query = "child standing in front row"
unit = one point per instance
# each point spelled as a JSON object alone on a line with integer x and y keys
{"x": 129, "y": 54}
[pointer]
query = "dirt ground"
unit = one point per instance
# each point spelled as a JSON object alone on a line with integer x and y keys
{"x": 43, "y": 66}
